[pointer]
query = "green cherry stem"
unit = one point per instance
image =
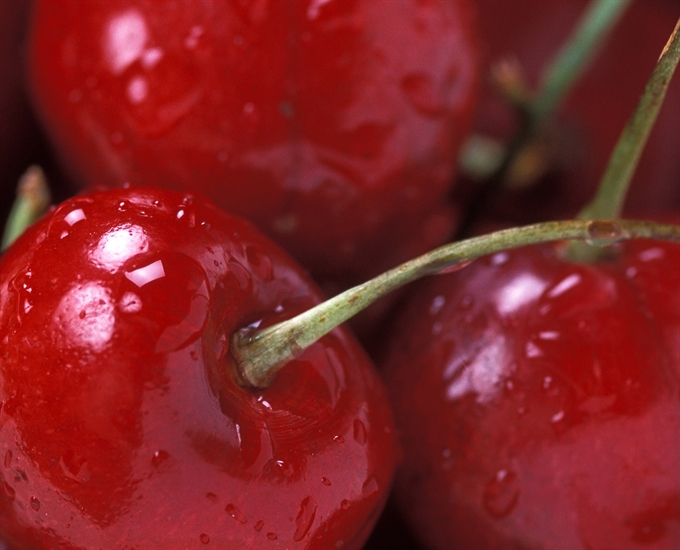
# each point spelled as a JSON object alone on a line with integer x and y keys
{"x": 608, "y": 202}
{"x": 32, "y": 201}
{"x": 493, "y": 162}
{"x": 575, "y": 56}
{"x": 259, "y": 354}
{"x": 611, "y": 193}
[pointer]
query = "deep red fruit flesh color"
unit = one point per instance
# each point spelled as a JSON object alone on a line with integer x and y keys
{"x": 121, "y": 425}
{"x": 539, "y": 402}
{"x": 334, "y": 126}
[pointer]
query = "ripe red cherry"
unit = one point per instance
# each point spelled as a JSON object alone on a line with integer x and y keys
{"x": 121, "y": 425}
{"x": 333, "y": 126}
{"x": 539, "y": 402}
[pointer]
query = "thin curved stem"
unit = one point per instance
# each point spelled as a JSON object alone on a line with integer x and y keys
{"x": 611, "y": 193}
{"x": 260, "y": 354}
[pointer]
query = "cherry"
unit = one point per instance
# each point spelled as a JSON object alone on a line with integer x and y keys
{"x": 538, "y": 401}
{"x": 121, "y": 420}
{"x": 333, "y": 126}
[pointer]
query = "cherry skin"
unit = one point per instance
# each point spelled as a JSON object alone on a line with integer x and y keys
{"x": 539, "y": 402}
{"x": 121, "y": 424}
{"x": 333, "y": 126}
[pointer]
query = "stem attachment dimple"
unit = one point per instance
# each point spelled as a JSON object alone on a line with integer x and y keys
{"x": 259, "y": 354}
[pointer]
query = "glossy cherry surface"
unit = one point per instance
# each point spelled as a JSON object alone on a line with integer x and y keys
{"x": 332, "y": 125}
{"x": 539, "y": 402}
{"x": 121, "y": 425}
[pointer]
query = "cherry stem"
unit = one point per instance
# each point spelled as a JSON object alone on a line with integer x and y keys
{"x": 259, "y": 354}
{"x": 32, "y": 201}
{"x": 494, "y": 162}
{"x": 575, "y": 56}
{"x": 611, "y": 193}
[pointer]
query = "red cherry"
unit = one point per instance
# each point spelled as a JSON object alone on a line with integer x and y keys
{"x": 332, "y": 125}
{"x": 121, "y": 424}
{"x": 539, "y": 402}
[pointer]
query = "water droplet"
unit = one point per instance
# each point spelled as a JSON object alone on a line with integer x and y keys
{"x": 187, "y": 215}
{"x": 437, "y": 304}
{"x": 326, "y": 481}
{"x": 501, "y": 494}
{"x": 344, "y": 504}
{"x": 603, "y": 233}
{"x": 193, "y": 355}
{"x": 557, "y": 417}
{"x": 259, "y": 525}
{"x": 122, "y": 206}
{"x": 9, "y": 491}
{"x": 305, "y": 518}
{"x": 8, "y": 459}
{"x": 500, "y": 258}
{"x": 235, "y": 513}
{"x": 369, "y": 488}
{"x": 338, "y": 439}
{"x": 204, "y": 538}
{"x": 360, "y": 434}
{"x": 35, "y": 504}
{"x": 272, "y": 536}
{"x": 158, "y": 458}
{"x": 212, "y": 497}
{"x": 532, "y": 350}
{"x": 547, "y": 382}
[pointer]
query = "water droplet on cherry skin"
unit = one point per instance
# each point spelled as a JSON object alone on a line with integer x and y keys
{"x": 360, "y": 433}
{"x": 235, "y": 513}
{"x": 35, "y": 504}
{"x": 305, "y": 518}
{"x": 159, "y": 457}
{"x": 370, "y": 487}
{"x": 501, "y": 494}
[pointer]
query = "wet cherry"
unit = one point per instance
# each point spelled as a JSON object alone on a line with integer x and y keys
{"x": 539, "y": 402}
{"x": 121, "y": 424}
{"x": 332, "y": 125}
